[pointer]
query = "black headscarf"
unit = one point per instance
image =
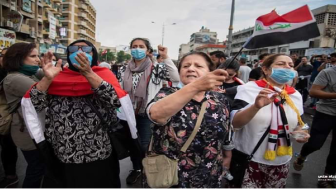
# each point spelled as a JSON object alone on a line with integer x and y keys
{"x": 94, "y": 56}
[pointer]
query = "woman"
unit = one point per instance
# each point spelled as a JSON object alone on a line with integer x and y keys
{"x": 77, "y": 135}
{"x": 262, "y": 104}
{"x": 21, "y": 62}
{"x": 232, "y": 81}
{"x": 142, "y": 79}
{"x": 174, "y": 112}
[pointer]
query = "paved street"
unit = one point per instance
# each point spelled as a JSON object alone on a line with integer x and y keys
{"x": 307, "y": 178}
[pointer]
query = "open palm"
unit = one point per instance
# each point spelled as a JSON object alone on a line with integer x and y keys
{"x": 50, "y": 71}
{"x": 263, "y": 98}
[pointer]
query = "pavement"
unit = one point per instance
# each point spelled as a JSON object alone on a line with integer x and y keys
{"x": 306, "y": 178}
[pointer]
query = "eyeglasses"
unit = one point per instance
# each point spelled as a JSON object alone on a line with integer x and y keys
{"x": 231, "y": 75}
{"x": 75, "y": 48}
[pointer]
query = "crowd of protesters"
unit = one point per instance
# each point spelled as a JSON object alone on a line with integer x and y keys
{"x": 253, "y": 110}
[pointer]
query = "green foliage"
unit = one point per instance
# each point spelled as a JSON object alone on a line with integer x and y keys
{"x": 109, "y": 56}
{"x": 122, "y": 56}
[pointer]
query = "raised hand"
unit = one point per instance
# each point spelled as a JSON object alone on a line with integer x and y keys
{"x": 84, "y": 64}
{"x": 163, "y": 51}
{"x": 211, "y": 80}
{"x": 264, "y": 98}
{"x": 50, "y": 71}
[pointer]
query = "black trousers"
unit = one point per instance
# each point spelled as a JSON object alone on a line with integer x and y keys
{"x": 9, "y": 154}
{"x": 135, "y": 151}
{"x": 301, "y": 86}
{"x": 97, "y": 174}
{"x": 322, "y": 125}
{"x": 35, "y": 169}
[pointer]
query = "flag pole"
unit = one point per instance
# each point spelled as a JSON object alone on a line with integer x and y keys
{"x": 241, "y": 49}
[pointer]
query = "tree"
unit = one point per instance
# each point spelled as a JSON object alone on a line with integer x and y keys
{"x": 121, "y": 57}
{"x": 109, "y": 56}
{"x": 128, "y": 57}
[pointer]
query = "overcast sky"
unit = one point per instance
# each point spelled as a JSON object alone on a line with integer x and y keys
{"x": 119, "y": 21}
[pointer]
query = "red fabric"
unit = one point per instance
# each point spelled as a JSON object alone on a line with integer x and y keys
{"x": 262, "y": 83}
{"x": 71, "y": 83}
{"x": 301, "y": 14}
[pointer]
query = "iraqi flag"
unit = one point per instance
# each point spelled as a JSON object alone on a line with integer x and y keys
{"x": 271, "y": 29}
{"x": 63, "y": 85}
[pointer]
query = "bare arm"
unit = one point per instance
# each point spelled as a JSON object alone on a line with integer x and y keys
{"x": 321, "y": 67}
{"x": 317, "y": 92}
{"x": 164, "y": 109}
{"x": 297, "y": 67}
{"x": 294, "y": 81}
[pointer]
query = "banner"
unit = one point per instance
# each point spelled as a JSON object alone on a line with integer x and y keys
{"x": 7, "y": 38}
{"x": 52, "y": 27}
{"x": 319, "y": 51}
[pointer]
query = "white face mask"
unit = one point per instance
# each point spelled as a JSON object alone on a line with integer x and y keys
{"x": 54, "y": 63}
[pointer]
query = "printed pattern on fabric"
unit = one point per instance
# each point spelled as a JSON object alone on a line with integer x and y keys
{"x": 136, "y": 78}
{"x": 260, "y": 175}
{"x": 159, "y": 72}
{"x": 70, "y": 123}
{"x": 201, "y": 165}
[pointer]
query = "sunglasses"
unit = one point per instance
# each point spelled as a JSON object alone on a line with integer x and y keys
{"x": 75, "y": 48}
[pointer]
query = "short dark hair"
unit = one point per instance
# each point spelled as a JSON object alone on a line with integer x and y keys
{"x": 15, "y": 55}
{"x": 333, "y": 55}
{"x": 210, "y": 64}
{"x": 242, "y": 60}
{"x": 262, "y": 56}
{"x": 233, "y": 65}
{"x": 218, "y": 54}
{"x": 146, "y": 41}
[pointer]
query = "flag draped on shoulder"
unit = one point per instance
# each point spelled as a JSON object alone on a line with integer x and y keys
{"x": 70, "y": 83}
{"x": 272, "y": 29}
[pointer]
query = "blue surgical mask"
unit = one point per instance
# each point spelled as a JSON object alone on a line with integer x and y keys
{"x": 282, "y": 75}
{"x": 74, "y": 61}
{"x": 138, "y": 54}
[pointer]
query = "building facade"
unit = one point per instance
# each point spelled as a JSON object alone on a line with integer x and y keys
{"x": 31, "y": 21}
{"x": 203, "y": 37}
{"x": 79, "y": 20}
{"x": 208, "y": 48}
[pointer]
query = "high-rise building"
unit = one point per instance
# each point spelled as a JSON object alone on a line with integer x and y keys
{"x": 203, "y": 37}
{"x": 79, "y": 20}
{"x": 31, "y": 21}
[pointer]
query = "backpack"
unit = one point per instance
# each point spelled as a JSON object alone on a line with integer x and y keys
{"x": 5, "y": 116}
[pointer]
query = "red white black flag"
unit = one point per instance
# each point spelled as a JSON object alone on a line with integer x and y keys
{"x": 271, "y": 29}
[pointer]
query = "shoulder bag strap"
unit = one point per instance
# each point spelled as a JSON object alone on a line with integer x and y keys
{"x": 196, "y": 128}
{"x": 259, "y": 142}
{"x": 193, "y": 134}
